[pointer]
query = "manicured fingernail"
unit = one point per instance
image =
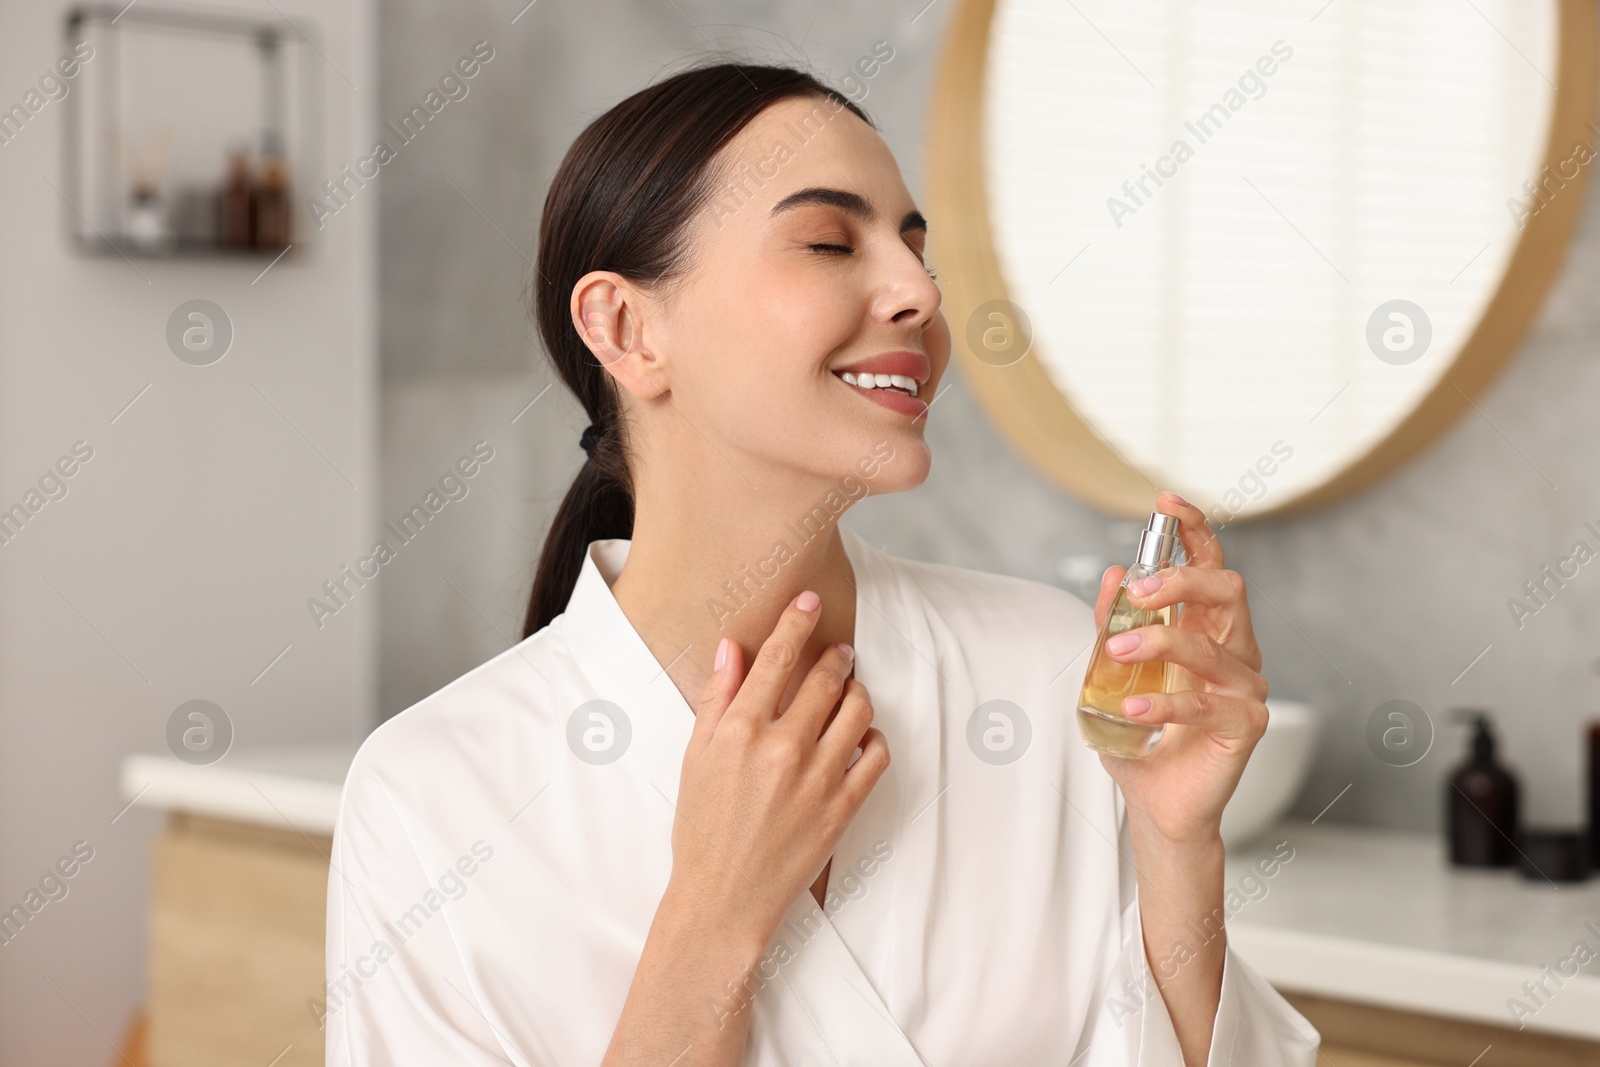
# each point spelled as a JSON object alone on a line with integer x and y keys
{"x": 849, "y": 653}
{"x": 807, "y": 601}
{"x": 1123, "y": 643}
{"x": 722, "y": 656}
{"x": 1146, "y": 585}
{"x": 1136, "y": 705}
{"x": 1176, "y": 497}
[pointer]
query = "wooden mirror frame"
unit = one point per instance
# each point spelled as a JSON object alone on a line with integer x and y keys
{"x": 1042, "y": 425}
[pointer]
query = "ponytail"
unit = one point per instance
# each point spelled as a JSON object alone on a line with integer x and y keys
{"x": 599, "y": 505}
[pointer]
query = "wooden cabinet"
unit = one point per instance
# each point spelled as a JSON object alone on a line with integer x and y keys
{"x": 1361, "y": 1035}
{"x": 236, "y": 945}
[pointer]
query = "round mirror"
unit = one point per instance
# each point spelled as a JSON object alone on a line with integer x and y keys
{"x": 1257, "y": 254}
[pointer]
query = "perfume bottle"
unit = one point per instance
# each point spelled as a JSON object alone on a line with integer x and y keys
{"x": 1106, "y": 682}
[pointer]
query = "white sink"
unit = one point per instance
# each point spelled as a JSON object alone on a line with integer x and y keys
{"x": 1277, "y": 771}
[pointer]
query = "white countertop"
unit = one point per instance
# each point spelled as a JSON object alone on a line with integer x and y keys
{"x": 1381, "y": 917}
{"x": 288, "y": 788}
{"x": 1358, "y": 914}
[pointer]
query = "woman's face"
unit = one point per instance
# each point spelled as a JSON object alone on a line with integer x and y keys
{"x": 807, "y": 264}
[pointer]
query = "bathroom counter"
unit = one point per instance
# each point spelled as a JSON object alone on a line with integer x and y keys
{"x": 239, "y": 889}
{"x": 1357, "y": 916}
{"x": 295, "y": 789}
{"x": 1380, "y": 917}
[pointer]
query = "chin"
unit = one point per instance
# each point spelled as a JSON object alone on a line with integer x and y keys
{"x": 896, "y": 463}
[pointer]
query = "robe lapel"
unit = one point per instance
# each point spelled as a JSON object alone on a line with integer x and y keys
{"x": 896, "y": 660}
{"x": 820, "y": 1005}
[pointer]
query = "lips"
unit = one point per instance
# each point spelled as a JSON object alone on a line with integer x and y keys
{"x": 911, "y": 365}
{"x": 906, "y": 363}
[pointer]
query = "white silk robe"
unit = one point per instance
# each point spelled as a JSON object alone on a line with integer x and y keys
{"x": 502, "y": 846}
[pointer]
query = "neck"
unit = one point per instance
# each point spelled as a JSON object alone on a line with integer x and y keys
{"x": 695, "y": 576}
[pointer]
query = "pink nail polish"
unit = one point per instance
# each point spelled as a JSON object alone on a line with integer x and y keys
{"x": 807, "y": 601}
{"x": 1123, "y": 643}
{"x": 722, "y": 655}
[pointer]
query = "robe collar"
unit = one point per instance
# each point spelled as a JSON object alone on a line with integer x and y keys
{"x": 613, "y": 654}
{"x": 823, "y": 994}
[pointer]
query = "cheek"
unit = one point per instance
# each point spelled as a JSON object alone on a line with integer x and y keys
{"x": 779, "y": 317}
{"x": 937, "y": 338}
{"x": 812, "y": 311}
{"x": 754, "y": 372}
{"x": 793, "y": 330}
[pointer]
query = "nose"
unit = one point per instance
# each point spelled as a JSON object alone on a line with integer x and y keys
{"x": 908, "y": 297}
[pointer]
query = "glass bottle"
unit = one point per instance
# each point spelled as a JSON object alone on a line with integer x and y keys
{"x": 272, "y": 195}
{"x": 236, "y": 206}
{"x": 1107, "y": 682}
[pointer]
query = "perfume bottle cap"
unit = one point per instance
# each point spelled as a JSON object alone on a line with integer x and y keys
{"x": 1158, "y": 541}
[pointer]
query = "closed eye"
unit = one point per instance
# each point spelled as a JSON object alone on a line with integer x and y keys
{"x": 846, "y": 250}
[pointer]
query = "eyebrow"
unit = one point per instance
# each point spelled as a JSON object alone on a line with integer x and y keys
{"x": 853, "y": 203}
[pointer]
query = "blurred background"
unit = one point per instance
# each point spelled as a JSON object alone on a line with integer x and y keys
{"x": 240, "y": 345}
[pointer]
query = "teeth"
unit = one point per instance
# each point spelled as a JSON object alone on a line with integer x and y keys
{"x": 882, "y": 381}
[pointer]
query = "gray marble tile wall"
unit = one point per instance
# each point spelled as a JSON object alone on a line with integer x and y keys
{"x": 1390, "y": 594}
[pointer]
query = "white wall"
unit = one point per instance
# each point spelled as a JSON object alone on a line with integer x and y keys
{"x": 179, "y": 563}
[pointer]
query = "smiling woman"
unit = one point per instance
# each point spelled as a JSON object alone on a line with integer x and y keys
{"x": 666, "y": 788}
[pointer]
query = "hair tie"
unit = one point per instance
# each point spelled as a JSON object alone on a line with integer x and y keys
{"x": 588, "y": 439}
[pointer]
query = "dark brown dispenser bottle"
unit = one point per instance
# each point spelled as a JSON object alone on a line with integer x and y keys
{"x": 272, "y": 197}
{"x": 1594, "y": 793}
{"x": 236, "y": 222}
{"x": 1482, "y": 803}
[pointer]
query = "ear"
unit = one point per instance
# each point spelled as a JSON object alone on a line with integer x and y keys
{"x": 611, "y": 316}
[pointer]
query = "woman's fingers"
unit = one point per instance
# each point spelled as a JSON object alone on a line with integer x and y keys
{"x": 721, "y": 688}
{"x": 818, "y": 693}
{"x": 848, "y": 728}
{"x": 1195, "y": 652}
{"x": 1223, "y": 714}
{"x": 1200, "y": 546}
{"x": 1218, "y": 596}
{"x": 865, "y": 772}
{"x": 762, "y": 691}
{"x": 1215, "y": 600}
{"x": 1213, "y": 587}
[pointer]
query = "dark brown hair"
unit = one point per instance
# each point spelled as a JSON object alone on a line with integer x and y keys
{"x": 621, "y": 201}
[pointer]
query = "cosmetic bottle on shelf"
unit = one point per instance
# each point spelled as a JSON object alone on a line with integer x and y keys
{"x": 1107, "y": 682}
{"x": 146, "y": 224}
{"x": 236, "y": 205}
{"x": 1594, "y": 792}
{"x": 272, "y": 196}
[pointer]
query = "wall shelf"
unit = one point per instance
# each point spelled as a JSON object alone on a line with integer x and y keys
{"x": 191, "y": 132}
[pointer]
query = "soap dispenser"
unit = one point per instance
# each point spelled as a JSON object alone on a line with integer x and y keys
{"x": 1482, "y": 802}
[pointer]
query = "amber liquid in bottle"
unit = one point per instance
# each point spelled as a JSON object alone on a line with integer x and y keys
{"x": 1106, "y": 681}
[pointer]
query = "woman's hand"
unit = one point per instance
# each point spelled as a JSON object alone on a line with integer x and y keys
{"x": 766, "y": 793}
{"x": 1217, "y": 708}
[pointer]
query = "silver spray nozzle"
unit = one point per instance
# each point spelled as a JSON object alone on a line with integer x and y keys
{"x": 1158, "y": 541}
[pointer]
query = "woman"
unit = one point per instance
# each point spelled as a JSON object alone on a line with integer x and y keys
{"x": 666, "y": 827}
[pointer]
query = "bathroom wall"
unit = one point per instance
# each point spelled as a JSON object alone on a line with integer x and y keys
{"x": 1389, "y": 595}
{"x": 214, "y": 501}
